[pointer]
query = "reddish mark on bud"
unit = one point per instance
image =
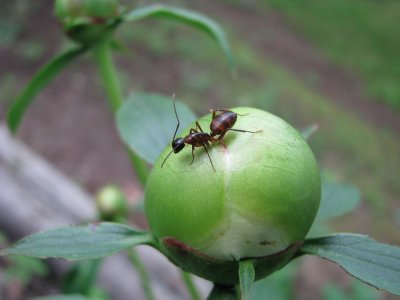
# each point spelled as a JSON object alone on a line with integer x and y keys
{"x": 178, "y": 246}
{"x": 171, "y": 242}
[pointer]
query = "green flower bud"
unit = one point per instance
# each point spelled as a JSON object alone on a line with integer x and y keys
{"x": 111, "y": 203}
{"x": 85, "y": 21}
{"x": 260, "y": 201}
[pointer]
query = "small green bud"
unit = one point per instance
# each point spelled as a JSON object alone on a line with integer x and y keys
{"x": 86, "y": 8}
{"x": 111, "y": 203}
{"x": 85, "y": 21}
{"x": 260, "y": 201}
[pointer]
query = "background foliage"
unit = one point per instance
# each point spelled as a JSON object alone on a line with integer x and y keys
{"x": 356, "y": 36}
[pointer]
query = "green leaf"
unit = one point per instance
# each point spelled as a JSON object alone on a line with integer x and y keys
{"x": 337, "y": 199}
{"x": 246, "y": 278}
{"x": 188, "y": 17}
{"x": 362, "y": 257}
{"x": 42, "y": 78}
{"x": 63, "y": 297}
{"x": 79, "y": 242}
{"x": 146, "y": 123}
{"x": 309, "y": 131}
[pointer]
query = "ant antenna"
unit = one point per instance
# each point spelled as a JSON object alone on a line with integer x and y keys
{"x": 176, "y": 130}
{"x": 165, "y": 159}
{"x": 176, "y": 114}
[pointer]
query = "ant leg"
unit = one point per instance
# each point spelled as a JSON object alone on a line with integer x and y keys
{"x": 212, "y": 165}
{"x": 213, "y": 139}
{"x": 222, "y": 135}
{"x": 221, "y": 139}
{"x": 213, "y": 111}
{"x": 225, "y": 110}
{"x": 218, "y": 110}
{"x": 199, "y": 127}
{"x": 241, "y": 130}
{"x": 192, "y": 155}
{"x": 193, "y": 130}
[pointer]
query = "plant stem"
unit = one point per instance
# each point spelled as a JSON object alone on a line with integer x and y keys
{"x": 220, "y": 292}
{"x": 139, "y": 267}
{"x": 108, "y": 73}
{"x": 187, "y": 279}
{"x": 140, "y": 167}
{"x": 103, "y": 54}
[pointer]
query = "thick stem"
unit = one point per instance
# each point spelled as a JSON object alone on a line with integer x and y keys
{"x": 188, "y": 280}
{"x": 108, "y": 73}
{"x": 223, "y": 292}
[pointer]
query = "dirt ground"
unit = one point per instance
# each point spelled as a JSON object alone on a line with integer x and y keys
{"x": 71, "y": 126}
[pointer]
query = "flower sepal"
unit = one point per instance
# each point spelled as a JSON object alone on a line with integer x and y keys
{"x": 223, "y": 272}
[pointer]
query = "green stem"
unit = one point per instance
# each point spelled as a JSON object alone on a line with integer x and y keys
{"x": 103, "y": 54}
{"x": 140, "y": 167}
{"x": 187, "y": 279}
{"x": 139, "y": 267}
{"x": 108, "y": 73}
{"x": 220, "y": 292}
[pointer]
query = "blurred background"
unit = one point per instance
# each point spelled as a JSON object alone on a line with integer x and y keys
{"x": 331, "y": 63}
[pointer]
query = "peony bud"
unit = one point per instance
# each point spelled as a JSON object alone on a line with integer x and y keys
{"x": 111, "y": 203}
{"x": 85, "y": 21}
{"x": 259, "y": 203}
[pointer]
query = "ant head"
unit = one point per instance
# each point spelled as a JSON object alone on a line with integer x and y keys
{"x": 178, "y": 144}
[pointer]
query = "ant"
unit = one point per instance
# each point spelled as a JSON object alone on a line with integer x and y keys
{"x": 220, "y": 124}
{"x": 196, "y": 137}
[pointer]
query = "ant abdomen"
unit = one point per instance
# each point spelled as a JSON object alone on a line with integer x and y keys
{"x": 222, "y": 122}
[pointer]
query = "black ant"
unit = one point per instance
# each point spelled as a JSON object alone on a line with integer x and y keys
{"x": 223, "y": 122}
{"x": 220, "y": 124}
{"x": 196, "y": 137}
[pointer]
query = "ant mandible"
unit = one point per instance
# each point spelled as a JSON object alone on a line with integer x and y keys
{"x": 196, "y": 137}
